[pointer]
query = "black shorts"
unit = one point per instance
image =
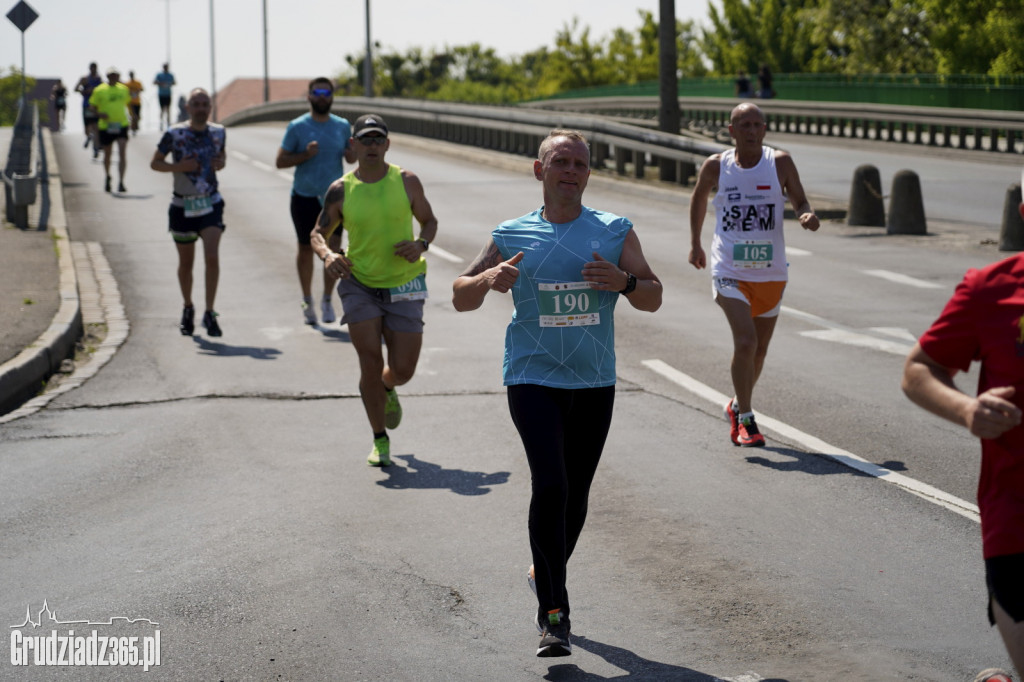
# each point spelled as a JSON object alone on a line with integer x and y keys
{"x": 305, "y": 211}
{"x": 1003, "y": 575}
{"x": 165, "y": 101}
{"x": 89, "y": 118}
{"x": 107, "y": 138}
{"x": 186, "y": 230}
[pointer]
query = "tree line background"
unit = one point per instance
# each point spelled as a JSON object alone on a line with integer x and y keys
{"x": 984, "y": 37}
{"x": 849, "y": 37}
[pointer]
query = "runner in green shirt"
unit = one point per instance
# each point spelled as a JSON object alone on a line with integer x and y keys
{"x": 110, "y": 102}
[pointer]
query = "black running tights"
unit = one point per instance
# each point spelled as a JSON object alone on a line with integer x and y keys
{"x": 563, "y": 431}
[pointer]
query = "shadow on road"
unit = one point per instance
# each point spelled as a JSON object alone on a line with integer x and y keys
{"x": 806, "y": 462}
{"x": 208, "y": 347}
{"x": 816, "y": 464}
{"x": 636, "y": 668}
{"x": 425, "y": 475}
{"x": 335, "y": 333}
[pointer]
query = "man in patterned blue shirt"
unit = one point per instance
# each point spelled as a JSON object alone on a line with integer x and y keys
{"x": 566, "y": 266}
{"x": 315, "y": 144}
{"x": 197, "y": 208}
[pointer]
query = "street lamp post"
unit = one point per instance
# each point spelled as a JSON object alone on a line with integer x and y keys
{"x": 167, "y": 27}
{"x": 213, "y": 67}
{"x": 266, "y": 74}
{"x": 368, "y": 64}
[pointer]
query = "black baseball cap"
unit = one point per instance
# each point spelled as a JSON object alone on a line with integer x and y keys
{"x": 369, "y": 123}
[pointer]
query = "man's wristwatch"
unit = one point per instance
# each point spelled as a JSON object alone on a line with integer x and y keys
{"x": 424, "y": 243}
{"x": 630, "y": 284}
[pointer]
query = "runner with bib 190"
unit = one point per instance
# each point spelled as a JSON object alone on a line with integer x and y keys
{"x": 567, "y": 265}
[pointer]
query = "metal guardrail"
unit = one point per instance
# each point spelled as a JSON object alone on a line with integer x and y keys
{"x": 21, "y": 172}
{"x": 628, "y": 148}
{"x": 976, "y": 129}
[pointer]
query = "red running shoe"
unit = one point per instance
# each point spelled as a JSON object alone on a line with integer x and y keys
{"x": 749, "y": 436}
{"x": 734, "y": 423}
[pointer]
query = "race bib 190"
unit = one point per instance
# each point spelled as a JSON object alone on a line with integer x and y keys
{"x": 567, "y": 304}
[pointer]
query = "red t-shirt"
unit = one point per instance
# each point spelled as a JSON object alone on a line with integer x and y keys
{"x": 984, "y": 320}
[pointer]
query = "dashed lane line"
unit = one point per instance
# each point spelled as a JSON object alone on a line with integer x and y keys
{"x": 900, "y": 278}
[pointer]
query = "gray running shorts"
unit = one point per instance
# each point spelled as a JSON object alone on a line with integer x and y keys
{"x": 361, "y": 303}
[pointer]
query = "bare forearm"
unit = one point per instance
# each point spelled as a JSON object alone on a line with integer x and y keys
{"x": 428, "y": 229}
{"x": 468, "y": 292}
{"x": 646, "y": 296}
{"x": 291, "y": 159}
{"x": 933, "y": 389}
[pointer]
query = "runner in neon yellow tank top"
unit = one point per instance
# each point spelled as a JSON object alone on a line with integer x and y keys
{"x": 376, "y": 216}
{"x": 382, "y": 278}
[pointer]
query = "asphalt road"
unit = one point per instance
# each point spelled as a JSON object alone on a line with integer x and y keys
{"x": 218, "y": 489}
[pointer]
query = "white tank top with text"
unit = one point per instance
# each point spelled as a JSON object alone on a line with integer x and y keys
{"x": 748, "y": 244}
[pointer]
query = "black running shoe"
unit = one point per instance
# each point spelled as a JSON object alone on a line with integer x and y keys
{"x": 106, "y": 185}
{"x": 121, "y": 187}
{"x": 554, "y": 641}
{"x": 210, "y": 322}
{"x": 188, "y": 321}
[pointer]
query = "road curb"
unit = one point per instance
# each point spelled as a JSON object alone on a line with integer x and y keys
{"x": 24, "y": 375}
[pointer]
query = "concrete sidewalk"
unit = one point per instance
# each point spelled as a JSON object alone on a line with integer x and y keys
{"x": 40, "y": 311}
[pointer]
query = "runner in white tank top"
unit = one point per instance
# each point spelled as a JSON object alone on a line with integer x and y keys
{"x": 748, "y": 261}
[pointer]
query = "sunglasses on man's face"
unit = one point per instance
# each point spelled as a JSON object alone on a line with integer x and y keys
{"x": 370, "y": 140}
{"x": 321, "y": 92}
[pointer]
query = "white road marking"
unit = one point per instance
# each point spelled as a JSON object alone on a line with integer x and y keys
{"x": 817, "y": 446}
{"x": 883, "y": 338}
{"x": 793, "y": 251}
{"x": 444, "y": 255}
{"x": 902, "y": 279}
{"x": 262, "y": 166}
{"x": 240, "y": 156}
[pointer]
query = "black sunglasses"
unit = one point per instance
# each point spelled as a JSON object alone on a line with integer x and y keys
{"x": 370, "y": 140}
{"x": 321, "y": 92}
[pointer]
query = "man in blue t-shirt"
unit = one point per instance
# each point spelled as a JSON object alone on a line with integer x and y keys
{"x": 164, "y": 81}
{"x": 566, "y": 265}
{"x": 315, "y": 144}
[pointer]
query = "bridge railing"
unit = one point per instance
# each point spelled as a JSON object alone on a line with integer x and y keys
{"x": 627, "y": 147}
{"x": 976, "y": 129}
{"x": 21, "y": 171}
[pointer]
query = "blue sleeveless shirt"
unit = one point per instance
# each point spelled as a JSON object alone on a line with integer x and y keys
{"x": 562, "y": 333}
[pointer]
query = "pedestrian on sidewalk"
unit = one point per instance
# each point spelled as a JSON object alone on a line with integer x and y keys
{"x": 197, "y": 150}
{"x": 567, "y": 265}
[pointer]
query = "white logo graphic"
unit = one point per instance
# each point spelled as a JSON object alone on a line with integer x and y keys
{"x": 93, "y": 649}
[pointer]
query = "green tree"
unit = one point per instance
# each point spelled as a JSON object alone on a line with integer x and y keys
{"x": 976, "y": 36}
{"x": 10, "y": 93}
{"x": 745, "y": 34}
{"x": 868, "y": 36}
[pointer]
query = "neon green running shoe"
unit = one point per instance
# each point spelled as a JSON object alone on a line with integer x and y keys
{"x": 380, "y": 456}
{"x": 392, "y": 410}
